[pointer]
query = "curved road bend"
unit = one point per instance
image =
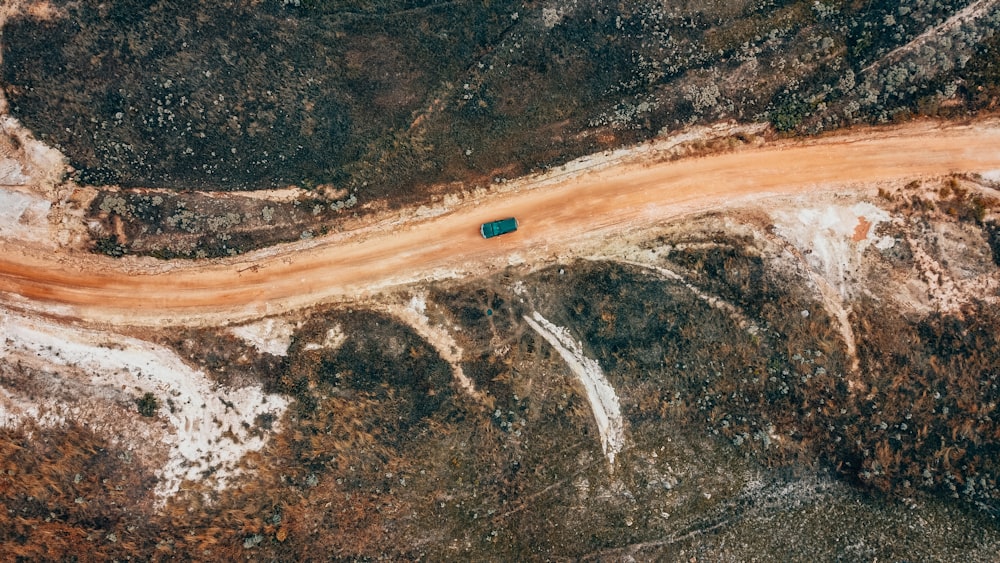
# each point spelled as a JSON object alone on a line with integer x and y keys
{"x": 552, "y": 218}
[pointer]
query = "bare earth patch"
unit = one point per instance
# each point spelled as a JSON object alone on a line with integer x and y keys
{"x": 206, "y": 428}
{"x": 601, "y": 396}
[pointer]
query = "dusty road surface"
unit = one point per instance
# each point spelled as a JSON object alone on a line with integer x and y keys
{"x": 557, "y": 217}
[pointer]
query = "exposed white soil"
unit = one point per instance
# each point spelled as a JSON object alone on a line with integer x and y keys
{"x": 283, "y": 195}
{"x": 271, "y": 336}
{"x": 413, "y": 313}
{"x": 39, "y": 167}
{"x": 287, "y": 194}
{"x": 12, "y": 173}
{"x": 833, "y": 236}
{"x": 29, "y": 174}
{"x": 24, "y": 216}
{"x": 601, "y": 395}
{"x": 205, "y": 427}
{"x": 333, "y": 339}
{"x": 35, "y": 204}
{"x": 943, "y": 288}
{"x": 830, "y": 239}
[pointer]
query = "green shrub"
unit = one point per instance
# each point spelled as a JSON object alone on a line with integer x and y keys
{"x": 148, "y": 404}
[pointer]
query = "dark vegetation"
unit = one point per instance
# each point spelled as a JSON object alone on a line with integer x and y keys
{"x": 194, "y": 225}
{"x": 224, "y": 358}
{"x": 389, "y": 98}
{"x": 918, "y": 415}
{"x": 763, "y": 390}
{"x": 381, "y": 455}
{"x": 491, "y": 319}
{"x": 396, "y": 102}
{"x": 957, "y": 197}
{"x": 981, "y": 79}
{"x": 993, "y": 236}
{"x": 743, "y": 426}
{"x": 389, "y": 365}
{"x": 237, "y": 96}
{"x": 229, "y": 95}
{"x": 927, "y": 417}
{"x": 147, "y": 404}
{"x": 65, "y": 494}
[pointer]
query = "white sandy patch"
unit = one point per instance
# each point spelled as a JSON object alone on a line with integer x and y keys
{"x": 944, "y": 290}
{"x": 830, "y": 240}
{"x": 826, "y": 236}
{"x": 602, "y": 397}
{"x": 334, "y": 338}
{"x": 40, "y": 166}
{"x": 553, "y": 15}
{"x": 418, "y": 304}
{"x": 271, "y": 336}
{"x": 15, "y": 410}
{"x": 288, "y": 194}
{"x": 991, "y": 175}
{"x": 24, "y": 216}
{"x": 207, "y": 420}
{"x": 31, "y": 175}
{"x": 11, "y": 173}
{"x": 283, "y": 195}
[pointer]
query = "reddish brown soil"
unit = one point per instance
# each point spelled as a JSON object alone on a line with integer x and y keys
{"x": 557, "y": 217}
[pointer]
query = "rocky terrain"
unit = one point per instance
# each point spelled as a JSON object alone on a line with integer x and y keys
{"x": 816, "y": 368}
{"x": 794, "y": 375}
{"x": 370, "y": 104}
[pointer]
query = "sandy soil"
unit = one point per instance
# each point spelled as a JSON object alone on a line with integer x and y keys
{"x": 205, "y": 427}
{"x": 413, "y": 314}
{"x": 599, "y": 392}
{"x": 560, "y": 216}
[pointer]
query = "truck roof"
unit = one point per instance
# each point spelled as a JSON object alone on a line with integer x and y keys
{"x": 499, "y": 227}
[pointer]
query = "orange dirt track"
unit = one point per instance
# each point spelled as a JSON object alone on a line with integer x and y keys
{"x": 557, "y": 216}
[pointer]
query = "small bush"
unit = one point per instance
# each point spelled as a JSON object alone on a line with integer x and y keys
{"x": 147, "y": 404}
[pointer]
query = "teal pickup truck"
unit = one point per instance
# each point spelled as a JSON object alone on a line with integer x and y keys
{"x": 498, "y": 227}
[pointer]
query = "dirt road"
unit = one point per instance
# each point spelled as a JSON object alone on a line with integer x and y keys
{"x": 556, "y": 220}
